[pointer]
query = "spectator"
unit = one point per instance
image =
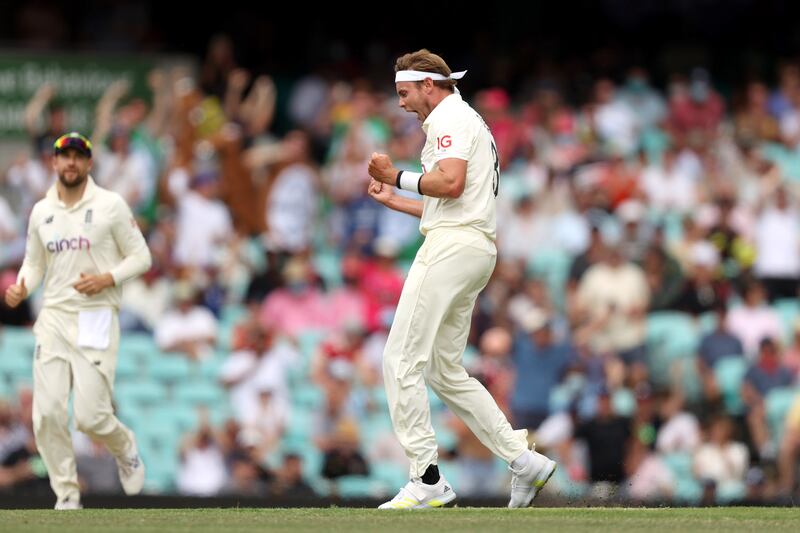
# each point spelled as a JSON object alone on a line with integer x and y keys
{"x": 259, "y": 365}
{"x": 667, "y": 187}
{"x": 607, "y": 437}
{"x": 188, "y": 328}
{"x": 540, "y": 364}
{"x": 695, "y": 107}
{"x": 754, "y": 321}
{"x": 613, "y": 297}
{"x": 289, "y": 482}
{"x": 343, "y": 457}
{"x": 292, "y": 199}
{"x": 720, "y": 460}
{"x": 714, "y": 346}
{"x": 766, "y": 374}
{"x": 777, "y": 241}
{"x": 702, "y": 291}
{"x": 299, "y": 305}
{"x": 789, "y": 450}
{"x": 202, "y": 469}
{"x": 203, "y": 221}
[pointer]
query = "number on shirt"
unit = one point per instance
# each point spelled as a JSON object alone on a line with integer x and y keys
{"x": 496, "y": 177}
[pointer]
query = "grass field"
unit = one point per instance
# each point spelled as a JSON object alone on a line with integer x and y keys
{"x": 457, "y": 519}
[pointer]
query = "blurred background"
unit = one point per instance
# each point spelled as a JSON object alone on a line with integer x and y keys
{"x": 642, "y": 321}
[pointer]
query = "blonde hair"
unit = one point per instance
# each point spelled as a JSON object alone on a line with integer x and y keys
{"x": 426, "y": 61}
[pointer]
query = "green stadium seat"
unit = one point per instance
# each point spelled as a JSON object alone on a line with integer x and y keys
{"x": 358, "y": 487}
{"x": 307, "y": 395}
{"x": 141, "y": 393}
{"x": 390, "y": 474}
{"x": 731, "y": 492}
{"x": 300, "y": 424}
{"x": 140, "y": 346}
{"x": 671, "y": 336}
{"x": 200, "y": 393}
{"x": 777, "y": 405}
{"x": 623, "y": 402}
{"x": 170, "y": 368}
{"x": 729, "y": 373}
{"x": 328, "y": 263}
{"x": 15, "y": 340}
{"x": 789, "y": 311}
{"x": 128, "y": 369}
{"x": 16, "y": 365}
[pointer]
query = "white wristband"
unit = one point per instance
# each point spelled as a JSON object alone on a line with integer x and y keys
{"x": 409, "y": 181}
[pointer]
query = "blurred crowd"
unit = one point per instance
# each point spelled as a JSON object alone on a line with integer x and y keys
{"x": 638, "y": 208}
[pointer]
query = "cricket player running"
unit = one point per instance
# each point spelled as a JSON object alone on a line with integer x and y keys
{"x": 84, "y": 242}
{"x": 427, "y": 339}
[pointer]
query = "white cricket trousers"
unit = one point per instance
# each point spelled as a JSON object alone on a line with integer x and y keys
{"x": 426, "y": 343}
{"x": 60, "y": 366}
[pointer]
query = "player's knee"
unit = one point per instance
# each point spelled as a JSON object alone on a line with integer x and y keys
{"x": 89, "y": 421}
{"x": 49, "y": 413}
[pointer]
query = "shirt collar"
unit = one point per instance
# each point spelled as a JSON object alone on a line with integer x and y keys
{"x": 88, "y": 194}
{"x": 453, "y": 99}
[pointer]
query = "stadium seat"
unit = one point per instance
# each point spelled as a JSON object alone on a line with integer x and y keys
{"x": 140, "y": 346}
{"x": 729, "y": 373}
{"x": 624, "y": 402}
{"x": 327, "y": 263}
{"x": 670, "y": 336}
{"x": 390, "y": 474}
{"x": 730, "y": 492}
{"x": 14, "y": 340}
{"x": 789, "y": 311}
{"x": 16, "y": 364}
{"x": 142, "y": 393}
{"x": 200, "y": 392}
{"x": 170, "y": 368}
{"x": 128, "y": 369}
{"x": 551, "y": 266}
{"x": 777, "y": 405}
{"x": 357, "y": 487}
{"x": 307, "y": 395}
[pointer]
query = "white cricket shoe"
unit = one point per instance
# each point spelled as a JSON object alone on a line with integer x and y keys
{"x": 131, "y": 470}
{"x": 68, "y": 504}
{"x": 527, "y": 482}
{"x": 418, "y": 495}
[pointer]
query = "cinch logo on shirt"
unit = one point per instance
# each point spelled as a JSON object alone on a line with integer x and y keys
{"x": 62, "y": 245}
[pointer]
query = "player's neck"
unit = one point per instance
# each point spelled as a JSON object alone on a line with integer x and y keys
{"x": 71, "y": 195}
{"x": 435, "y": 99}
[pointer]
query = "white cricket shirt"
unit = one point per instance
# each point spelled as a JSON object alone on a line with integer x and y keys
{"x": 97, "y": 234}
{"x": 455, "y": 130}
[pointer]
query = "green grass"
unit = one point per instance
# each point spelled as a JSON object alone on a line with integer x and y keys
{"x": 562, "y": 520}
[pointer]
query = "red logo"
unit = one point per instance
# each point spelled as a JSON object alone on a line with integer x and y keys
{"x": 443, "y": 142}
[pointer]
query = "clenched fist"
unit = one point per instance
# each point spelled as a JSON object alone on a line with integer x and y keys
{"x": 16, "y": 293}
{"x": 381, "y": 168}
{"x": 380, "y": 191}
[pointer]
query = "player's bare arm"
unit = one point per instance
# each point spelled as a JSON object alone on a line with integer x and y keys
{"x": 445, "y": 180}
{"x": 385, "y": 194}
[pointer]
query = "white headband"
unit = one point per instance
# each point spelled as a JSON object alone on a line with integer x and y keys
{"x": 418, "y": 75}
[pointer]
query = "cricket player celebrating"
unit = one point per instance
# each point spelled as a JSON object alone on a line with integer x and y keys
{"x": 431, "y": 325}
{"x": 84, "y": 242}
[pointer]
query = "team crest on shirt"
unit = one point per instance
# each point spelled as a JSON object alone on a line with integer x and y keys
{"x": 48, "y": 220}
{"x": 87, "y": 218}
